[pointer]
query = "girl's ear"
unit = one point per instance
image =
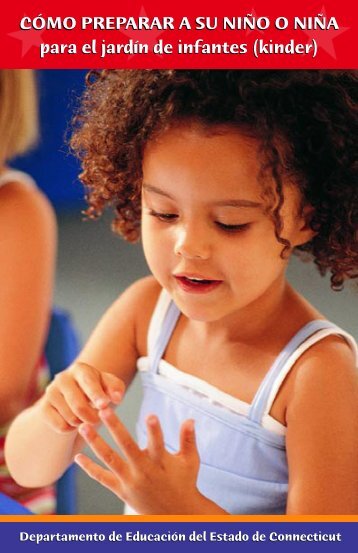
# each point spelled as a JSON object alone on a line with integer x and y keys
{"x": 304, "y": 231}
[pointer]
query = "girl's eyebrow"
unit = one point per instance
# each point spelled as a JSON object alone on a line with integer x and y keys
{"x": 223, "y": 203}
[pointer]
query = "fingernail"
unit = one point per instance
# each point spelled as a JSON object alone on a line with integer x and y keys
{"x": 101, "y": 403}
{"x": 84, "y": 429}
{"x": 117, "y": 397}
{"x": 191, "y": 425}
{"x": 152, "y": 420}
{"x": 105, "y": 413}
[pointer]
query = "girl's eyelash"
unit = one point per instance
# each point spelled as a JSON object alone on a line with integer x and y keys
{"x": 232, "y": 228}
{"x": 170, "y": 217}
{"x": 166, "y": 217}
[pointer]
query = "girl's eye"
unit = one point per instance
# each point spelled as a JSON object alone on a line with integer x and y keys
{"x": 165, "y": 217}
{"x": 172, "y": 217}
{"x": 233, "y": 228}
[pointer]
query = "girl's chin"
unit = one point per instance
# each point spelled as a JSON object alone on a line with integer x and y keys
{"x": 205, "y": 314}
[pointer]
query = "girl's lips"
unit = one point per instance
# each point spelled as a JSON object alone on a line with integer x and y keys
{"x": 196, "y": 285}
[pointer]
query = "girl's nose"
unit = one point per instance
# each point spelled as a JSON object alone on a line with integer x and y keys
{"x": 192, "y": 244}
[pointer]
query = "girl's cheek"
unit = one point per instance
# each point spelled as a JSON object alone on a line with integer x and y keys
{"x": 154, "y": 250}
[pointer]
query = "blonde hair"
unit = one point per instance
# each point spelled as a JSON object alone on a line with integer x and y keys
{"x": 18, "y": 112}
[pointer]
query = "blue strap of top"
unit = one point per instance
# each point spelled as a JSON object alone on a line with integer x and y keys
{"x": 260, "y": 400}
{"x": 170, "y": 319}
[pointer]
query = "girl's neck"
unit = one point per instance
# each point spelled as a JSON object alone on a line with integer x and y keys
{"x": 279, "y": 307}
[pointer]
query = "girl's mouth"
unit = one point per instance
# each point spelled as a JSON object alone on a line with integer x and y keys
{"x": 197, "y": 285}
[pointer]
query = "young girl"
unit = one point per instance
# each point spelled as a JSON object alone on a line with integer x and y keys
{"x": 226, "y": 173}
{"x": 27, "y": 260}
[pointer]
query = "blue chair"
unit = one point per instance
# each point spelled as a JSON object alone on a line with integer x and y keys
{"x": 9, "y": 506}
{"x": 61, "y": 348}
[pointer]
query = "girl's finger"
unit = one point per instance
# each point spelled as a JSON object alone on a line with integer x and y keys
{"x": 55, "y": 420}
{"x": 56, "y": 400}
{"x": 89, "y": 380}
{"x": 187, "y": 439}
{"x": 78, "y": 401}
{"x": 98, "y": 473}
{"x": 155, "y": 438}
{"x": 121, "y": 436}
{"x": 113, "y": 386}
{"x": 102, "y": 450}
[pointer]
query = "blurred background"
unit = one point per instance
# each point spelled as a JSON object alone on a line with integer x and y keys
{"x": 94, "y": 266}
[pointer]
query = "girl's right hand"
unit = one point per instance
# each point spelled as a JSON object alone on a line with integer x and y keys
{"x": 76, "y": 394}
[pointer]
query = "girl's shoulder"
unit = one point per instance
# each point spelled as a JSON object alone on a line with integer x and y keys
{"x": 325, "y": 376}
{"x": 317, "y": 366}
{"x": 329, "y": 361}
{"x": 143, "y": 296}
{"x": 118, "y": 338}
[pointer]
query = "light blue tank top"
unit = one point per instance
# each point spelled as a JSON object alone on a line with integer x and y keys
{"x": 243, "y": 465}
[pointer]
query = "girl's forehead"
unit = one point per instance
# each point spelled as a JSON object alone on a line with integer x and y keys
{"x": 204, "y": 148}
{"x": 215, "y": 162}
{"x": 222, "y": 158}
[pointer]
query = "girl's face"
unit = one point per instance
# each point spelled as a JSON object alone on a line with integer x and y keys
{"x": 206, "y": 236}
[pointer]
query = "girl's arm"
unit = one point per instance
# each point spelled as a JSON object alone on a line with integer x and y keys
{"x": 27, "y": 260}
{"x": 322, "y": 431}
{"x": 43, "y": 440}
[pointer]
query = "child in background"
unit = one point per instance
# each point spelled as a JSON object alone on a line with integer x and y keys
{"x": 225, "y": 174}
{"x": 27, "y": 261}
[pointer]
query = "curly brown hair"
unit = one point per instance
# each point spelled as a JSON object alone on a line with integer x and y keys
{"x": 312, "y": 113}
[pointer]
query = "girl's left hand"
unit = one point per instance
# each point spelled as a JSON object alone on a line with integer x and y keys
{"x": 151, "y": 481}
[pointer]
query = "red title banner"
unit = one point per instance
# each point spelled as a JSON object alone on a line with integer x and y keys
{"x": 255, "y": 34}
